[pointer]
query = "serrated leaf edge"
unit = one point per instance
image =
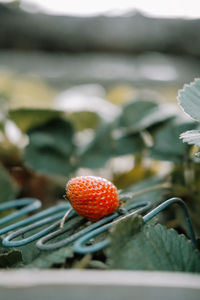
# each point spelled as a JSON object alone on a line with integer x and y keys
{"x": 183, "y": 90}
{"x": 182, "y": 137}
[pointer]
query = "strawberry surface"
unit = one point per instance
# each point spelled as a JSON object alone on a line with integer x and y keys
{"x": 92, "y": 197}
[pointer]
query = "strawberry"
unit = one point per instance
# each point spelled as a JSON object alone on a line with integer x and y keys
{"x": 92, "y": 197}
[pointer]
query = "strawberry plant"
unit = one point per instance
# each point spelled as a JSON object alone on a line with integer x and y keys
{"x": 136, "y": 147}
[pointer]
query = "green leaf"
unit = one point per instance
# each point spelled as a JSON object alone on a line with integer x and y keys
{"x": 29, "y": 252}
{"x": 128, "y": 144}
{"x": 47, "y": 161}
{"x": 192, "y": 137}
{"x": 47, "y": 259}
{"x": 155, "y": 196}
{"x": 84, "y": 119}
{"x": 26, "y": 118}
{"x": 189, "y": 99}
{"x": 36, "y": 258}
{"x": 135, "y": 111}
{"x": 106, "y": 144}
{"x": 135, "y": 246}
{"x": 140, "y": 114}
{"x": 50, "y": 148}
{"x": 56, "y": 135}
{"x": 6, "y": 186}
{"x": 9, "y": 257}
{"x": 167, "y": 145}
{"x": 100, "y": 149}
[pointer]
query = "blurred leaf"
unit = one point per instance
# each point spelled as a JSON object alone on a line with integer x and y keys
{"x": 84, "y": 119}
{"x": 143, "y": 184}
{"x": 189, "y": 99}
{"x": 134, "y": 111}
{"x": 6, "y": 186}
{"x": 47, "y": 259}
{"x": 9, "y": 257}
{"x": 26, "y": 118}
{"x": 36, "y": 258}
{"x": 47, "y": 161}
{"x": 107, "y": 144}
{"x": 191, "y": 137}
{"x": 140, "y": 114}
{"x": 50, "y": 148}
{"x": 100, "y": 149}
{"x": 158, "y": 115}
{"x": 57, "y": 135}
{"x": 167, "y": 145}
{"x": 135, "y": 246}
{"x": 29, "y": 252}
{"x": 155, "y": 196}
{"x": 128, "y": 144}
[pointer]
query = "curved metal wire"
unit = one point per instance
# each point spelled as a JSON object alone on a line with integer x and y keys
{"x": 41, "y": 244}
{"x": 30, "y": 205}
{"x": 81, "y": 247}
{"x": 55, "y": 213}
{"x": 184, "y": 208}
{"x": 47, "y": 216}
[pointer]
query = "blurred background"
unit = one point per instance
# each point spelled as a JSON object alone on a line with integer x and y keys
{"x": 71, "y": 76}
{"x": 128, "y": 43}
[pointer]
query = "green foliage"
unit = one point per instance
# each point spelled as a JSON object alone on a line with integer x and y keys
{"x": 9, "y": 257}
{"x": 167, "y": 145}
{"x": 100, "y": 149}
{"x": 140, "y": 114}
{"x": 48, "y": 259}
{"x": 84, "y": 119}
{"x": 6, "y": 186}
{"x": 189, "y": 99}
{"x": 50, "y": 148}
{"x": 136, "y": 246}
{"x": 122, "y": 135}
{"x": 154, "y": 194}
{"x": 128, "y": 144}
{"x": 29, "y": 256}
{"x": 26, "y": 118}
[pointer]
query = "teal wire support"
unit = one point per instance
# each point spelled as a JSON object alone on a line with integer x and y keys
{"x": 91, "y": 229}
{"x": 184, "y": 208}
{"x": 28, "y": 205}
{"x": 43, "y": 218}
{"x": 81, "y": 247}
{"x": 52, "y": 217}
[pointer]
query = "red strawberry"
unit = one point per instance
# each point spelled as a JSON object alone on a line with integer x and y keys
{"x": 92, "y": 197}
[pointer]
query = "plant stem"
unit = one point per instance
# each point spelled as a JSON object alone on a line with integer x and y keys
{"x": 152, "y": 188}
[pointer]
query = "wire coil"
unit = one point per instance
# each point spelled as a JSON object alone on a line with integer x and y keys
{"x": 10, "y": 233}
